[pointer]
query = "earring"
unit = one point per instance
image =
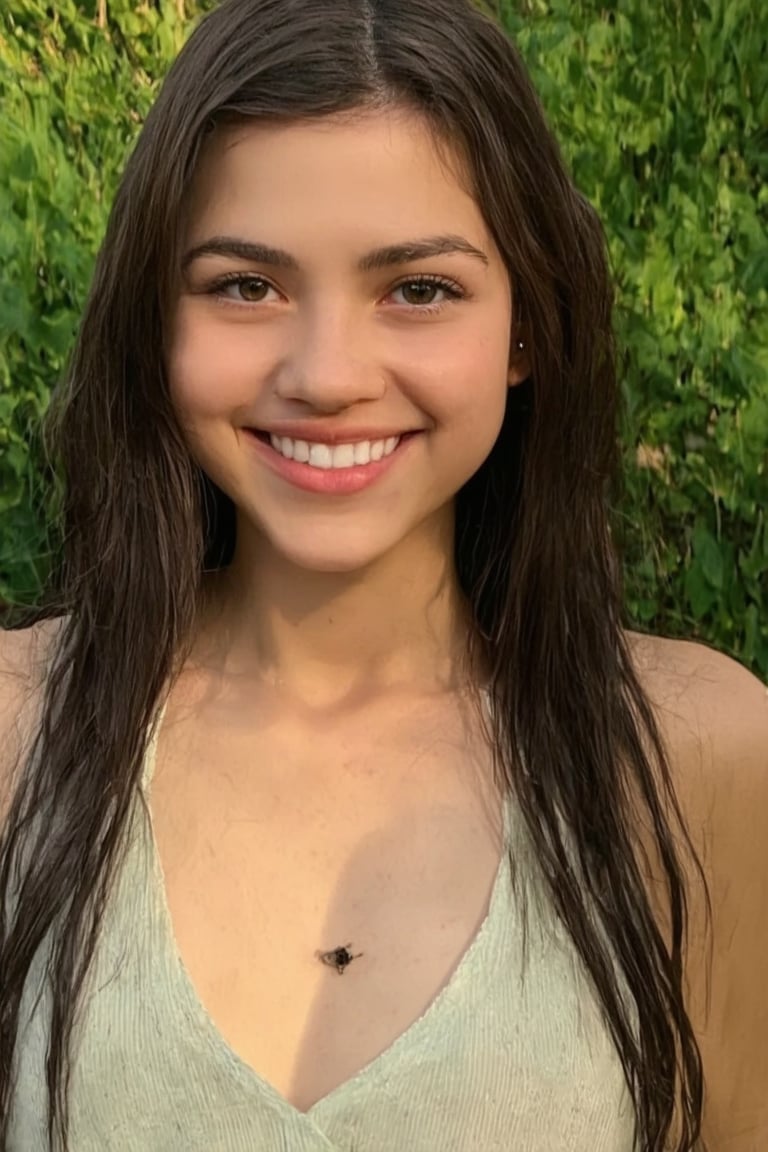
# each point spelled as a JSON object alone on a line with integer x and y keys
{"x": 520, "y": 345}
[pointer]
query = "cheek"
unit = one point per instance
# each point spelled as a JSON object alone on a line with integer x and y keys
{"x": 208, "y": 376}
{"x": 471, "y": 391}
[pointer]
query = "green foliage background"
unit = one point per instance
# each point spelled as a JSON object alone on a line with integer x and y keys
{"x": 661, "y": 107}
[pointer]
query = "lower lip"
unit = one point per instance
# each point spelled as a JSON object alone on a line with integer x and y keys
{"x": 330, "y": 481}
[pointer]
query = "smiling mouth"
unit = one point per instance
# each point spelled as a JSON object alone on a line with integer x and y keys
{"x": 266, "y": 437}
{"x": 330, "y": 473}
{"x": 339, "y": 457}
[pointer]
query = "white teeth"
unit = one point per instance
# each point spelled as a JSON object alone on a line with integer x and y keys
{"x": 342, "y": 456}
{"x": 320, "y": 455}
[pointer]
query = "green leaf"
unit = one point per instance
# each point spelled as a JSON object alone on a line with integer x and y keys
{"x": 709, "y": 556}
{"x": 700, "y": 593}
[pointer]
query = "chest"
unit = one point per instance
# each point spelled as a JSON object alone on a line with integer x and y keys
{"x": 281, "y": 845}
{"x": 206, "y": 1021}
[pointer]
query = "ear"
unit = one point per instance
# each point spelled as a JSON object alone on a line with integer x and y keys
{"x": 519, "y": 361}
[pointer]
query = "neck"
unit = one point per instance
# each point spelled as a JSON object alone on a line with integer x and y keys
{"x": 399, "y": 625}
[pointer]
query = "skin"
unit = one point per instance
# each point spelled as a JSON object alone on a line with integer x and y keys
{"x": 369, "y": 578}
{"x": 371, "y": 583}
{"x": 714, "y": 717}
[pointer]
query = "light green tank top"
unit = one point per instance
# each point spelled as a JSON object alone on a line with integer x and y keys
{"x": 512, "y": 1054}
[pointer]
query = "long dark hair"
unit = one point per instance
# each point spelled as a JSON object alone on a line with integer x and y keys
{"x": 576, "y": 739}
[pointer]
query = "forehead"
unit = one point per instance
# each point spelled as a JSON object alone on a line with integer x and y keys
{"x": 338, "y": 173}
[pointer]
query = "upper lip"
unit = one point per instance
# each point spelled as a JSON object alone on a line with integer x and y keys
{"x": 318, "y": 433}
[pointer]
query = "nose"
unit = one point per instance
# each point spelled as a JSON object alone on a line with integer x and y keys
{"x": 331, "y": 364}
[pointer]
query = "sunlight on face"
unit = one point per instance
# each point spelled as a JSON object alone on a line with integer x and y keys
{"x": 326, "y": 338}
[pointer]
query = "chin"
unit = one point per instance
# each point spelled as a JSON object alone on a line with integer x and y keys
{"x": 325, "y": 555}
{"x": 331, "y": 565}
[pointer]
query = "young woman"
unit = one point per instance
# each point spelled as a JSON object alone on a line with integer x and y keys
{"x": 342, "y": 811}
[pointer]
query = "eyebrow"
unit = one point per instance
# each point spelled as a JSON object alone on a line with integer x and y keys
{"x": 405, "y": 253}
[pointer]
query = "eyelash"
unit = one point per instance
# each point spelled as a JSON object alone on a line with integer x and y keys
{"x": 453, "y": 290}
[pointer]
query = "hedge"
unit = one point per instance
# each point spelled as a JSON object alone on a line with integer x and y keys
{"x": 661, "y": 107}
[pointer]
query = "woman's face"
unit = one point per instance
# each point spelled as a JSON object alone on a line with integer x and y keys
{"x": 349, "y": 351}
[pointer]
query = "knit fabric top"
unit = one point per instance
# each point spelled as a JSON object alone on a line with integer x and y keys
{"x": 512, "y": 1054}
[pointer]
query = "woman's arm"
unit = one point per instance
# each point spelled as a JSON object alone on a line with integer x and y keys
{"x": 24, "y": 656}
{"x": 714, "y": 715}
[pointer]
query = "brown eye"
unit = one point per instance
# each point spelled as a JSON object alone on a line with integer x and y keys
{"x": 240, "y": 289}
{"x": 429, "y": 284}
{"x": 249, "y": 288}
{"x": 420, "y": 289}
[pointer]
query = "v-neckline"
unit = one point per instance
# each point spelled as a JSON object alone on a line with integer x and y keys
{"x": 442, "y": 1002}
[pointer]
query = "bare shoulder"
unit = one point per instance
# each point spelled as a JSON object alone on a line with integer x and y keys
{"x": 24, "y": 656}
{"x": 712, "y": 710}
{"x": 713, "y": 714}
{"x": 24, "y": 659}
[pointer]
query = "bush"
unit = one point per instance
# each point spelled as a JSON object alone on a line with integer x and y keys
{"x": 661, "y": 109}
{"x": 76, "y": 81}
